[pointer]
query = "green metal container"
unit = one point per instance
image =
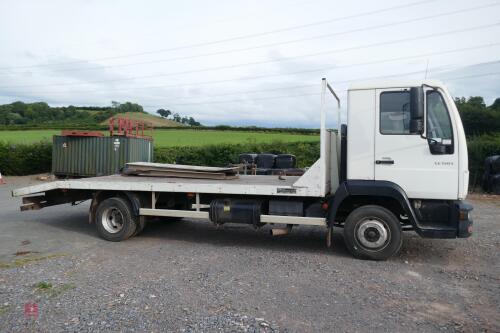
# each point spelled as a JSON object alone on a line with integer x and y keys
{"x": 83, "y": 156}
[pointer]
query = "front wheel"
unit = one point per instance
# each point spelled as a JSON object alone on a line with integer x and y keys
{"x": 373, "y": 232}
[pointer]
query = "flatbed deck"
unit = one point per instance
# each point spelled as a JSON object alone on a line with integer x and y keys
{"x": 244, "y": 184}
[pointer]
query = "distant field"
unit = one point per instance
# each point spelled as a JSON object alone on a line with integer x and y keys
{"x": 176, "y": 137}
{"x": 28, "y": 136}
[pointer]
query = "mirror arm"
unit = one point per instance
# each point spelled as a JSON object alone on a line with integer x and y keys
{"x": 429, "y": 139}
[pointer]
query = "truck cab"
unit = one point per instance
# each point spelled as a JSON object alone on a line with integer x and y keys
{"x": 418, "y": 140}
{"x": 404, "y": 151}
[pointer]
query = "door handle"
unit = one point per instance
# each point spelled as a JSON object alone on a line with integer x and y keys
{"x": 384, "y": 162}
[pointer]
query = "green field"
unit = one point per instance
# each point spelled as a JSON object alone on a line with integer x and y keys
{"x": 173, "y": 138}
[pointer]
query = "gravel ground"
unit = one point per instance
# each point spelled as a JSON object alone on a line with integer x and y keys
{"x": 190, "y": 276}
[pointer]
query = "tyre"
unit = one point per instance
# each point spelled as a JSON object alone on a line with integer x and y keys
{"x": 141, "y": 224}
{"x": 494, "y": 184}
{"x": 115, "y": 220}
{"x": 373, "y": 232}
{"x": 265, "y": 161}
{"x": 495, "y": 164}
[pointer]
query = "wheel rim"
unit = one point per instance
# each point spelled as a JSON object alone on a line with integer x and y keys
{"x": 112, "y": 220}
{"x": 373, "y": 234}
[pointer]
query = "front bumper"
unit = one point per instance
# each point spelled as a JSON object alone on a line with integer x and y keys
{"x": 465, "y": 222}
{"x": 458, "y": 225}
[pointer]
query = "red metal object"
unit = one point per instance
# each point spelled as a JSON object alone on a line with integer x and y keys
{"x": 130, "y": 128}
{"x": 81, "y": 133}
{"x": 120, "y": 127}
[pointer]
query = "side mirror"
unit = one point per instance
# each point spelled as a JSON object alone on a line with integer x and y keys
{"x": 416, "y": 110}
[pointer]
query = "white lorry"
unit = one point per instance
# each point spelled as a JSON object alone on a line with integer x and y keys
{"x": 400, "y": 163}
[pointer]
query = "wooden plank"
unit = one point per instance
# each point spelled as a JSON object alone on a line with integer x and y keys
{"x": 178, "y": 174}
{"x": 180, "y": 171}
{"x": 159, "y": 172}
{"x": 129, "y": 171}
{"x": 162, "y": 166}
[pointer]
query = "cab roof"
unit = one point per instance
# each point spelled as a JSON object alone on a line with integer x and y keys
{"x": 385, "y": 84}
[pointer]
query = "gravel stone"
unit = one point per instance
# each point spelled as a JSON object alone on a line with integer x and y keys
{"x": 189, "y": 276}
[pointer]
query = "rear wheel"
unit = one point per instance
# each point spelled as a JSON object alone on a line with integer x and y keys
{"x": 115, "y": 220}
{"x": 141, "y": 224}
{"x": 372, "y": 232}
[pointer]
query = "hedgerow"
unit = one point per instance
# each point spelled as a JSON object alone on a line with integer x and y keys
{"x": 25, "y": 159}
{"x": 480, "y": 147}
{"x": 222, "y": 154}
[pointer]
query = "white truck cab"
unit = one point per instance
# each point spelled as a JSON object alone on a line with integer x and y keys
{"x": 405, "y": 151}
{"x": 428, "y": 160}
{"x": 400, "y": 163}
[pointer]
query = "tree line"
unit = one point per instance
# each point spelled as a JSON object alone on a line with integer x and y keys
{"x": 177, "y": 117}
{"x": 19, "y": 113}
{"x": 478, "y": 118}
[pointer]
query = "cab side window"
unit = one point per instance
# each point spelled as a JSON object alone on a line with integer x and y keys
{"x": 395, "y": 112}
{"x": 439, "y": 127}
{"x": 438, "y": 121}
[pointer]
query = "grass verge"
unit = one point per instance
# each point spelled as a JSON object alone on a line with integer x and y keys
{"x": 27, "y": 261}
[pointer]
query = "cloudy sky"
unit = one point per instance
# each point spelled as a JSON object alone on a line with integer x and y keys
{"x": 240, "y": 62}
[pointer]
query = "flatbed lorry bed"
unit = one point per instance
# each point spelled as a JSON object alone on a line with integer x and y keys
{"x": 244, "y": 184}
{"x": 398, "y": 164}
{"x": 257, "y": 185}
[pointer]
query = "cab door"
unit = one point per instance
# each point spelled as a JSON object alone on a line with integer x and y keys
{"x": 424, "y": 165}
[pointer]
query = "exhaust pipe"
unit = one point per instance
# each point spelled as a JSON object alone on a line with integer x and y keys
{"x": 281, "y": 231}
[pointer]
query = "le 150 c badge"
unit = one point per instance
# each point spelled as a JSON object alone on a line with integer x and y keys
{"x": 443, "y": 163}
{"x": 286, "y": 190}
